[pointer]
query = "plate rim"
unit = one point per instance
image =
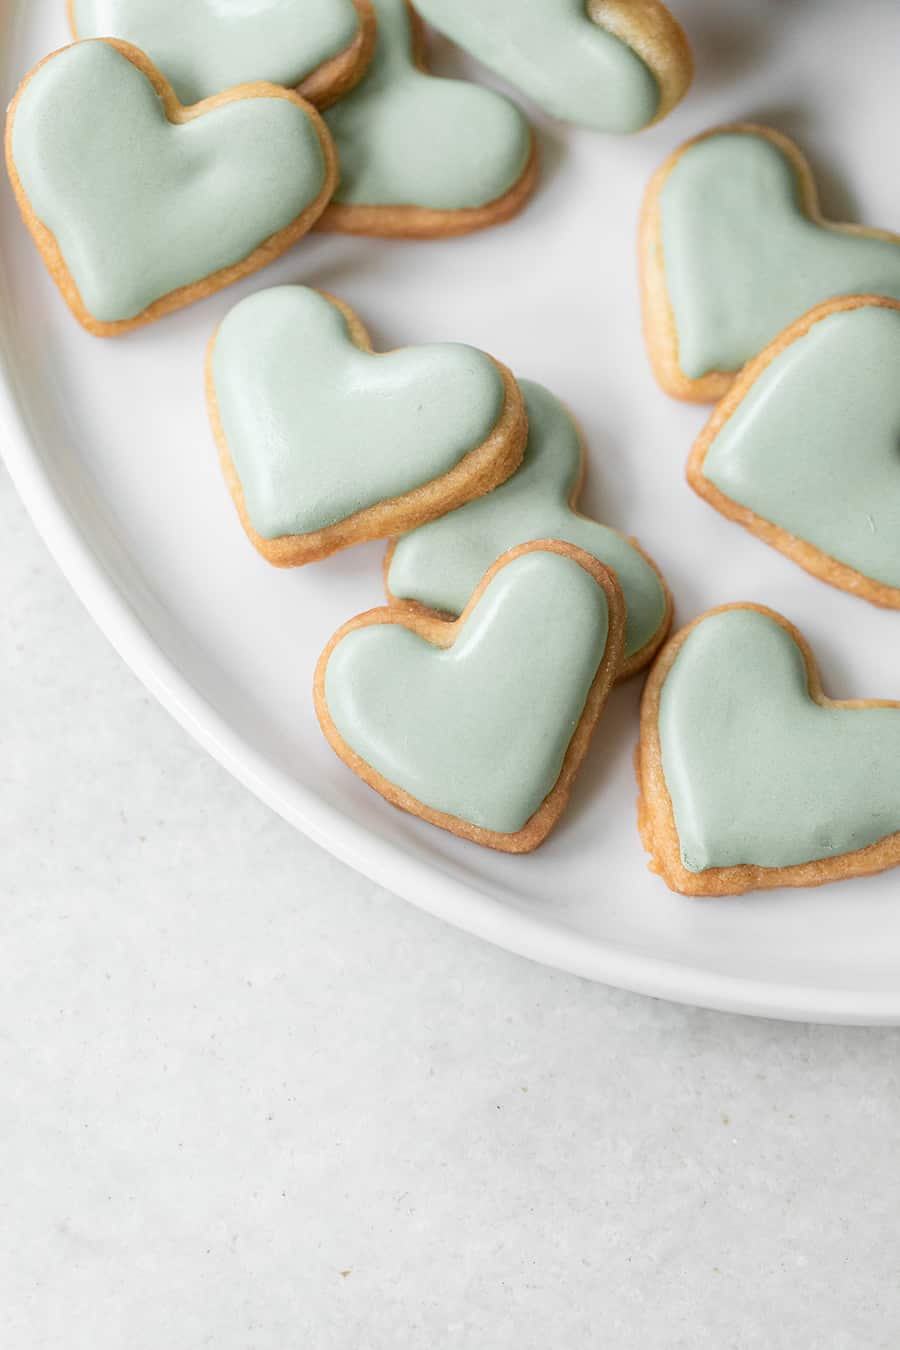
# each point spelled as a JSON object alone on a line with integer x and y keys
{"x": 544, "y": 940}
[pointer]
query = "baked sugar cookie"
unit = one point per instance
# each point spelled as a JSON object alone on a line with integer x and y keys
{"x": 480, "y": 726}
{"x": 319, "y": 47}
{"x": 803, "y": 449}
{"x": 612, "y": 65}
{"x": 750, "y": 777}
{"x": 139, "y": 206}
{"x": 438, "y": 566}
{"x": 734, "y": 249}
{"x": 423, "y": 157}
{"x": 325, "y": 444}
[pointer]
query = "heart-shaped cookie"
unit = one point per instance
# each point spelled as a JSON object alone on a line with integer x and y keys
{"x": 734, "y": 249}
{"x": 611, "y": 65}
{"x": 479, "y": 726}
{"x": 139, "y": 206}
{"x": 749, "y": 776}
{"x": 319, "y": 47}
{"x": 439, "y": 565}
{"x": 803, "y": 449}
{"x": 325, "y": 444}
{"x": 423, "y": 157}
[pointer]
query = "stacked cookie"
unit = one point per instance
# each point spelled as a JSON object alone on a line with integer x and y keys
{"x": 471, "y": 697}
{"x": 174, "y": 150}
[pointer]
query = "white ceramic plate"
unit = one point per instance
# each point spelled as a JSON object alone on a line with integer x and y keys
{"x": 110, "y": 449}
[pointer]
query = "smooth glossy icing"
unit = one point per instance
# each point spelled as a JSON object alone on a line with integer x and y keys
{"x": 205, "y": 46}
{"x": 318, "y": 429}
{"x": 815, "y": 445}
{"x": 556, "y": 54}
{"x": 741, "y": 258}
{"x": 139, "y": 206}
{"x": 478, "y": 731}
{"x": 409, "y": 139}
{"x": 757, "y": 772}
{"x": 441, "y": 563}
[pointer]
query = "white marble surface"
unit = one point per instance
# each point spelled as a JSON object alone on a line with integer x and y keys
{"x": 250, "y": 1101}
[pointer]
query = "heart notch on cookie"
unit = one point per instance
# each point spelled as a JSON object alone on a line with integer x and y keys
{"x": 480, "y": 725}
{"x": 424, "y": 157}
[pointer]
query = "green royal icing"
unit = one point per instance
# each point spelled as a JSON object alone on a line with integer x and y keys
{"x": 409, "y": 139}
{"x": 318, "y": 429}
{"x": 741, "y": 258}
{"x": 478, "y": 731}
{"x": 441, "y": 563}
{"x": 757, "y": 772}
{"x": 556, "y": 54}
{"x": 205, "y": 46}
{"x": 140, "y": 207}
{"x": 815, "y": 445}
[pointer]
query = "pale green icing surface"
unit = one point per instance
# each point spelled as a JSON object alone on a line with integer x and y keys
{"x": 815, "y": 446}
{"x": 478, "y": 731}
{"x": 205, "y": 46}
{"x": 139, "y": 206}
{"x": 554, "y": 52}
{"x": 440, "y": 564}
{"x": 741, "y": 259}
{"x": 318, "y": 429}
{"x": 409, "y": 139}
{"x": 757, "y": 772}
